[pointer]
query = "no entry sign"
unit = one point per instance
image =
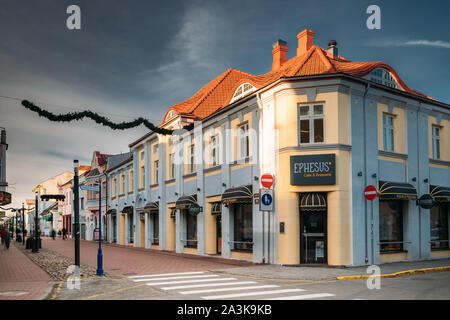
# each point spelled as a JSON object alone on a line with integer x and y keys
{"x": 370, "y": 192}
{"x": 267, "y": 180}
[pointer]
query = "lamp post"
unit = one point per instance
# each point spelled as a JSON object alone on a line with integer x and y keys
{"x": 76, "y": 203}
{"x": 100, "y": 253}
{"x": 36, "y": 221}
{"x": 23, "y": 223}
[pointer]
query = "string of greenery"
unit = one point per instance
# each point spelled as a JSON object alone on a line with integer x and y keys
{"x": 99, "y": 119}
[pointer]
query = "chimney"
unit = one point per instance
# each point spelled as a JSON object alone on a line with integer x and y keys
{"x": 305, "y": 41}
{"x": 279, "y": 54}
{"x": 332, "y": 48}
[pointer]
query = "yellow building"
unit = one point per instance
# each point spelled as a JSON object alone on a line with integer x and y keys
{"x": 325, "y": 128}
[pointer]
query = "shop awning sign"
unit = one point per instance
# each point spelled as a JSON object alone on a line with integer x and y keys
{"x": 317, "y": 169}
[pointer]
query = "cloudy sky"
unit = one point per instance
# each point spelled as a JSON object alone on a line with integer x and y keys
{"x": 137, "y": 58}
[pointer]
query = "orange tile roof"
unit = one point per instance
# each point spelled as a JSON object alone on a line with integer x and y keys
{"x": 217, "y": 94}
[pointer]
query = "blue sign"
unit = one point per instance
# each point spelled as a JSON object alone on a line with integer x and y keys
{"x": 266, "y": 199}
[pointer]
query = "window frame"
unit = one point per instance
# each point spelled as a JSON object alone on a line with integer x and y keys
{"x": 214, "y": 150}
{"x": 192, "y": 167}
{"x": 310, "y": 117}
{"x": 441, "y": 209}
{"x": 239, "y": 214}
{"x": 142, "y": 177}
{"x": 156, "y": 171}
{"x": 246, "y": 137}
{"x": 399, "y": 242}
{"x": 386, "y": 128}
{"x": 436, "y": 139}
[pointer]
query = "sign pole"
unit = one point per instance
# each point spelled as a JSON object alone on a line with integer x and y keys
{"x": 76, "y": 203}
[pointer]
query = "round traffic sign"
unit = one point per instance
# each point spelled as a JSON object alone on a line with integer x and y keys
{"x": 267, "y": 180}
{"x": 370, "y": 192}
{"x": 266, "y": 199}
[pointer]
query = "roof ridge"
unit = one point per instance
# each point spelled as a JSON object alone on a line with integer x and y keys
{"x": 325, "y": 59}
{"x": 304, "y": 59}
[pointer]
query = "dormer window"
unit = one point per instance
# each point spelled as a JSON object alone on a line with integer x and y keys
{"x": 384, "y": 77}
{"x": 243, "y": 90}
{"x": 170, "y": 115}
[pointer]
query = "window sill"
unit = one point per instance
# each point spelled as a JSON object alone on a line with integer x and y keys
{"x": 141, "y": 189}
{"x": 392, "y": 154}
{"x": 393, "y": 251}
{"x": 154, "y": 185}
{"x": 242, "y": 250}
{"x": 440, "y": 162}
{"x": 189, "y": 175}
{"x": 440, "y": 249}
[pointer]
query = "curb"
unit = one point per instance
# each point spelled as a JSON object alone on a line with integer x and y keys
{"x": 397, "y": 274}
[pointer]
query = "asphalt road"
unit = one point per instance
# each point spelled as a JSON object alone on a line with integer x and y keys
{"x": 210, "y": 285}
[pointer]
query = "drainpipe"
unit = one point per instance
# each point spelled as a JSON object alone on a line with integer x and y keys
{"x": 365, "y": 172}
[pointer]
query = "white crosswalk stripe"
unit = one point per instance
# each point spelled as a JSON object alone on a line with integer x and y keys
{"x": 247, "y": 294}
{"x": 165, "y": 274}
{"x": 209, "y": 284}
{"x": 189, "y": 281}
{"x": 206, "y": 285}
{"x": 303, "y": 297}
{"x": 181, "y": 277}
{"x": 229, "y": 289}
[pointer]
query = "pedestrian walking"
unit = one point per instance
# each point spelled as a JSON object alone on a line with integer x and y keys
{"x": 7, "y": 237}
{"x": 53, "y": 234}
{"x": 2, "y": 233}
{"x": 64, "y": 231}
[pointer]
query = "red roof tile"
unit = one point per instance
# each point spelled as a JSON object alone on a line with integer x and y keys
{"x": 316, "y": 61}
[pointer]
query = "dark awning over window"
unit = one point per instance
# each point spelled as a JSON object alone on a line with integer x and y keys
{"x": 185, "y": 202}
{"x": 242, "y": 194}
{"x": 313, "y": 202}
{"x": 152, "y": 207}
{"x": 396, "y": 191}
{"x": 216, "y": 208}
{"x": 441, "y": 194}
{"x": 128, "y": 209}
{"x": 111, "y": 211}
{"x": 173, "y": 213}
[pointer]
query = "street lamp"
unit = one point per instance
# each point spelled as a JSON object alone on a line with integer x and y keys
{"x": 23, "y": 223}
{"x": 76, "y": 210}
{"x": 36, "y": 222}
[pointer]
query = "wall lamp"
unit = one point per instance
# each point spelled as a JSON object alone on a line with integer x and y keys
{"x": 414, "y": 179}
{"x": 360, "y": 174}
{"x": 224, "y": 184}
{"x": 198, "y": 189}
{"x": 425, "y": 180}
{"x": 159, "y": 197}
{"x": 374, "y": 175}
{"x": 176, "y": 193}
{"x": 256, "y": 178}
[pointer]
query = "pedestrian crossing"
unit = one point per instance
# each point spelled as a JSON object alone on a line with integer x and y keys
{"x": 211, "y": 286}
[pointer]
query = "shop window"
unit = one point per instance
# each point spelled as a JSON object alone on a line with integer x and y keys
{"x": 243, "y": 228}
{"x": 436, "y": 143}
{"x": 311, "y": 124}
{"x": 391, "y": 226}
{"x": 191, "y": 231}
{"x": 439, "y": 226}
{"x": 155, "y": 222}
{"x": 388, "y": 132}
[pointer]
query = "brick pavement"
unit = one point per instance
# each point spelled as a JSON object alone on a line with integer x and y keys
{"x": 20, "y": 278}
{"x": 123, "y": 260}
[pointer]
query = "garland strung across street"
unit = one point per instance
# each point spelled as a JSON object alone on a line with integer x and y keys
{"x": 99, "y": 119}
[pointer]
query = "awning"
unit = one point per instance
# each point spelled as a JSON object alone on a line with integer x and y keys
{"x": 47, "y": 210}
{"x": 313, "y": 202}
{"x": 441, "y": 194}
{"x": 152, "y": 207}
{"x": 242, "y": 194}
{"x": 185, "y": 202}
{"x": 111, "y": 211}
{"x": 173, "y": 213}
{"x": 388, "y": 190}
{"x": 128, "y": 209}
{"x": 48, "y": 217}
{"x": 216, "y": 208}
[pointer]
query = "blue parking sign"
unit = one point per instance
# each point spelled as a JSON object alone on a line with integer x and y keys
{"x": 266, "y": 200}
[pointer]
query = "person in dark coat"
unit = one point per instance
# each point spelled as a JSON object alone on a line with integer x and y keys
{"x": 53, "y": 234}
{"x": 64, "y": 231}
{"x": 7, "y": 238}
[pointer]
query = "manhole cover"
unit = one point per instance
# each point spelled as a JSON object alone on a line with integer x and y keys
{"x": 12, "y": 293}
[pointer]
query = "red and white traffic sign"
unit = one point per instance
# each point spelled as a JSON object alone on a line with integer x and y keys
{"x": 370, "y": 192}
{"x": 267, "y": 180}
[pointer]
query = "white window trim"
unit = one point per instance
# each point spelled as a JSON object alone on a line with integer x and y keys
{"x": 389, "y": 127}
{"x": 214, "y": 141}
{"x": 240, "y": 137}
{"x": 434, "y": 138}
{"x": 156, "y": 171}
{"x": 192, "y": 166}
{"x": 311, "y": 117}
{"x": 237, "y": 96}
